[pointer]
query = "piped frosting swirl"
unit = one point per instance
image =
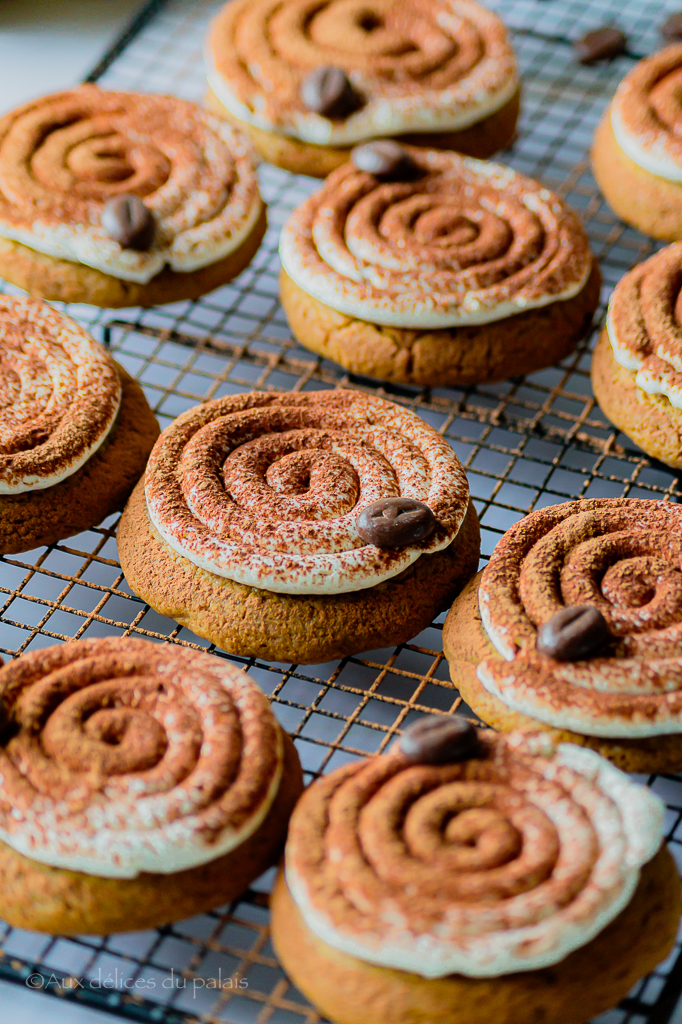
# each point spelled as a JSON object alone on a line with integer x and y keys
{"x": 127, "y": 757}
{"x": 59, "y": 395}
{"x": 62, "y": 157}
{"x": 622, "y": 556}
{"x": 265, "y": 489}
{"x": 504, "y": 862}
{"x": 417, "y": 66}
{"x": 464, "y": 242}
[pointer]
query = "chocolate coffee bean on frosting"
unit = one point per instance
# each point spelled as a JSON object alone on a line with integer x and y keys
{"x": 396, "y": 522}
{"x": 129, "y": 222}
{"x": 573, "y": 633}
{"x": 384, "y": 159}
{"x": 328, "y": 91}
{"x": 439, "y": 740}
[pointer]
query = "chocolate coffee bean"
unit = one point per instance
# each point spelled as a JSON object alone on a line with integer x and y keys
{"x": 129, "y": 222}
{"x": 396, "y": 522}
{"x": 573, "y": 633}
{"x": 384, "y": 159}
{"x": 328, "y": 91}
{"x": 601, "y": 44}
{"x": 439, "y": 740}
{"x": 672, "y": 28}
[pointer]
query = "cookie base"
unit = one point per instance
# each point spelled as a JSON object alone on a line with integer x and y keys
{"x": 452, "y": 357}
{"x": 47, "y": 277}
{"x": 649, "y": 420}
{"x": 307, "y": 629}
{"x": 101, "y": 486}
{"x": 640, "y": 198}
{"x": 466, "y": 643}
{"x": 61, "y": 902}
{"x": 481, "y": 140}
{"x": 584, "y": 984}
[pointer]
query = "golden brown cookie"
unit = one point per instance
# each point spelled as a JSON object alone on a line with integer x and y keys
{"x": 168, "y": 209}
{"x": 615, "y": 541}
{"x": 303, "y": 584}
{"x": 75, "y": 429}
{"x": 394, "y": 841}
{"x": 636, "y": 153}
{"x": 635, "y": 373}
{"x": 308, "y": 89}
{"x": 414, "y": 302}
{"x": 137, "y": 711}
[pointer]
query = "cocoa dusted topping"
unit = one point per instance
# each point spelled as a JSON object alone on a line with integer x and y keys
{"x": 129, "y": 222}
{"x": 672, "y": 27}
{"x": 328, "y": 91}
{"x": 385, "y": 159}
{"x": 396, "y": 522}
{"x": 573, "y": 633}
{"x": 439, "y": 740}
{"x": 601, "y": 44}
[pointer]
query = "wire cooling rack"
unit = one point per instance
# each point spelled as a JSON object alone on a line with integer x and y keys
{"x": 525, "y": 443}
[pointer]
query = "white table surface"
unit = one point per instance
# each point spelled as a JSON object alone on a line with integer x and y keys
{"x": 47, "y": 45}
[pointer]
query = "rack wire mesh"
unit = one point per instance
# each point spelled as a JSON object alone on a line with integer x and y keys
{"x": 525, "y": 443}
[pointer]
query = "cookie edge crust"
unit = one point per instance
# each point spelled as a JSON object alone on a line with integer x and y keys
{"x": 306, "y": 629}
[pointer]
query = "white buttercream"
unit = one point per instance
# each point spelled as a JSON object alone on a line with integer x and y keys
{"x": 650, "y": 382}
{"x": 651, "y": 155}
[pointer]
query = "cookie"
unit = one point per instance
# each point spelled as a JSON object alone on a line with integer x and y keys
{"x": 249, "y": 526}
{"x": 142, "y": 784}
{"x": 458, "y": 891}
{"x": 605, "y": 570}
{"x": 637, "y": 153}
{"x": 443, "y": 271}
{"x": 635, "y": 367}
{"x": 132, "y": 199}
{"x": 307, "y": 88}
{"x": 75, "y": 428}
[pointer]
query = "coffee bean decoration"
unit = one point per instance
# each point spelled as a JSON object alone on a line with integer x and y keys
{"x": 439, "y": 740}
{"x": 395, "y": 522}
{"x": 573, "y": 633}
{"x": 129, "y": 222}
{"x": 328, "y": 91}
{"x": 600, "y": 44}
{"x": 672, "y": 28}
{"x": 385, "y": 159}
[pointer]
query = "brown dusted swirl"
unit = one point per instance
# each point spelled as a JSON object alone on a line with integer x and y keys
{"x": 126, "y": 757}
{"x": 644, "y": 323}
{"x": 414, "y": 66}
{"x": 60, "y": 393}
{"x": 622, "y": 556}
{"x": 266, "y": 489}
{"x": 464, "y": 242}
{"x": 503, "y": 862}
{"x": 64, "y": 156}
{"x": 646, "y": 113}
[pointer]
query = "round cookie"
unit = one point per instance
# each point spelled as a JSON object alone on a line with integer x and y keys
{"x": 276, "y": 568}
{"x": 451, "y": 834}
{"x": 637, "y": 154}
{"x": 151, "y": 847}
{"x": 75, "y": 429}
{"x": 416, "y": 301}
{"x": 634, "y": 367}
{"x": 167, "y": 209}
{"x": 438, "y": 73}
{"x": 610, "y": 550}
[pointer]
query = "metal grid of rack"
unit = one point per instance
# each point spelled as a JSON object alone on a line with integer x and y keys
{"x": 525, "y": 443}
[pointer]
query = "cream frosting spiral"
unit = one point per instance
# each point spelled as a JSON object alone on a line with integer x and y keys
{"x": 465, "y": 242}
{"x": 60, "y": 393}
{"x": 644, "y": 324}
{"x": 62, "y": 157}
{"x": 417, "y": 66}
{"x": 504, "y": 862}
{"x": 126, "y": 757}
{"x": 622, "y": 556}
{"x": 646, "y": 114}
{"x": 265, "y": 489}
